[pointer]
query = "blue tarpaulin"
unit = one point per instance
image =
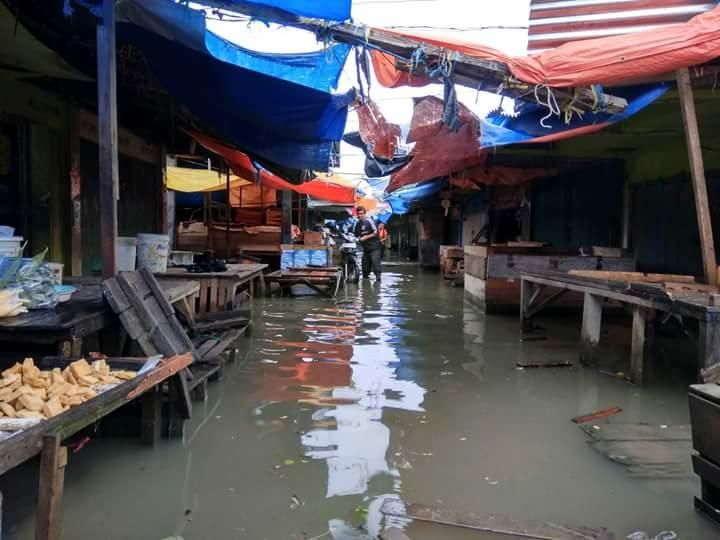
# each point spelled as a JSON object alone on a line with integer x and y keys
{"x": 332, "y": 10}
{"x": 176, "y": 22}
{"x": 499, "y": 130}
{"x": 284, "y": 122}
{"x": 402, "y": 199}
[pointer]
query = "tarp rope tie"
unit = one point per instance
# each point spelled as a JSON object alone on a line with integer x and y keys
{"x": 551, "y": 104}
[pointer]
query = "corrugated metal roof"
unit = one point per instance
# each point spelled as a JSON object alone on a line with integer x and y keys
{"x": 554, "y": 22}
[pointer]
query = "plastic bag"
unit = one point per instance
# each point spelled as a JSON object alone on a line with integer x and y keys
{"x": 32, "y": 278}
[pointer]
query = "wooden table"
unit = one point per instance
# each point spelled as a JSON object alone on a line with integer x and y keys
{"x": 46, "y": 437}
{"x": 218, "y": 290}
{"x": 323, "y": 280}
{"x": 539, "y": 289}
{"x": 85, "y": 314}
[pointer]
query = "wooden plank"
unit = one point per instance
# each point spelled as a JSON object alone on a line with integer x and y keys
{"x": 167, "y": 368}
{"x": 221, "y": 346}
{"x": 708, "y": 344}
{"x": 107, "y": 138}
{"x": 633, "y": 276}
{"x": 591, "y": 324}
{"x": 166, "y": 341}
{"x": 50, "y": 490}
{"x": 637, "y": 353}
{"x": 136, "y": 282}
{"x": 697, "y": 173}
{"x": 492, "y": 523}
{"x": 148, "y": 319}
{"x": 115, "y": 296}
{"x": 549, "y": 299}
{"x": 157, "y": 291}
{"x": 597, "y": 415}
{"x": 132, "y": 324}
{"x": 604, "y": 251}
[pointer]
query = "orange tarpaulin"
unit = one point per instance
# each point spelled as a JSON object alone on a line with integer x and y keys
{"x": 609, "y": 61}
{"x": 242, "y": 165}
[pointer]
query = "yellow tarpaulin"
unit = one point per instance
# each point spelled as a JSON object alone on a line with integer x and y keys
{"x": 193, "y": 180}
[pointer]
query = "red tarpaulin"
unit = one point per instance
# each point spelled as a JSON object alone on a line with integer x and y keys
{"x": 609, "y": 61}
{"x": 476, "y": 177}
{"x": 438, "y": 151}
{"x": 241, "y": 165}
{"x": 376, "y": 132}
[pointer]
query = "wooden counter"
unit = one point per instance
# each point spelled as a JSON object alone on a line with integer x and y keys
{"x": 492, "y": 273}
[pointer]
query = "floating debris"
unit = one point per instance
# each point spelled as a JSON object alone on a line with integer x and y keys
{"x": 604, "y": 413}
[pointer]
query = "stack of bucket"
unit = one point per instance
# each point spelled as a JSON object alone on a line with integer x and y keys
{"x": 149, "y": 251}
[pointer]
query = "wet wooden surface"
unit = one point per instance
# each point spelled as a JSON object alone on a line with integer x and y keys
{"x": 85, "y": 312}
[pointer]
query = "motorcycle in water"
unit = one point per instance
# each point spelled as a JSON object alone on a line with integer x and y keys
{"x": 350, "y": 257}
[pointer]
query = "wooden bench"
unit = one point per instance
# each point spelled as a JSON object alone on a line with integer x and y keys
{"x": 646, "y": 296}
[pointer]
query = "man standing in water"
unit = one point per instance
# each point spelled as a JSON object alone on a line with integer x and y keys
{"x": 367, "y": 234}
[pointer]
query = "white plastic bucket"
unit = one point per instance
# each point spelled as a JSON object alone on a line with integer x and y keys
{"x": 127, "y": 252}
{"x": 153, "y": 251}
{"x": 11, "y": 246}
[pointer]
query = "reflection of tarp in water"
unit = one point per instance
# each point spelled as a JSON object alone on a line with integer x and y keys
{"x": 645, "y": 450}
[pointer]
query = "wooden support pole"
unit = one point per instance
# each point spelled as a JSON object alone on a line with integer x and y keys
{"x": 50, "y": 490}
{"x": 287, "y": 200}
{"x": 151, "y": 417}
{"x": 697, "y": 172}
{"x": 527, "y": 290}
{"x": 227, "y": 214}
{"x": 626, "y": 213}
{"x": 637, "y": 352}
{"x": 107, "y": 138}
{"x": 591, "y": 324}
{"x": 75, "y": 194}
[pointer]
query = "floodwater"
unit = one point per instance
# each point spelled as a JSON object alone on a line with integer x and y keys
{"x": 397, "y": 390}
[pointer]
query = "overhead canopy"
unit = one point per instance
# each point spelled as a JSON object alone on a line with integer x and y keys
{"x": 243, "y": 166}
{"x": 192, "y": 180}
{"x": 609, "y": 60}
{"x": 332, "y": 10}
{"x": 176, "y": 22}
{"x": 282, "y": 121}
{"x": 533, "y": 124}
{"x": 401, "y": 201}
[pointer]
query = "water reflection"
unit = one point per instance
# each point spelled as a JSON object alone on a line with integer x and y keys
{"x": 348, "y": 368}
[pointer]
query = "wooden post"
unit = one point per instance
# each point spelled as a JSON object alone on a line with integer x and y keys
{"x": 75, "y": 195}
{"x": 697, "y": 172}
{"x": 227, "y": 214}
{"x": 637, "y": 352}
{"x": 287, "y": 200}
{"x": 626, "y": 210}
{"x": 591, "y": 324}
{"x": 151, "y": 417}
{"x": 107, "y": 138}
{"x": 527, "y": 289}
{"x": 708, "y": 343}
{"x": 50, "y": 490}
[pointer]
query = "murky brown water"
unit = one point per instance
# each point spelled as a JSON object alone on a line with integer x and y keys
{"x": 401, "y": 391}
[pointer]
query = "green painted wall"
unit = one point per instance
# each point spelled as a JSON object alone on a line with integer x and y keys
{"x": 45, "y": 119}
